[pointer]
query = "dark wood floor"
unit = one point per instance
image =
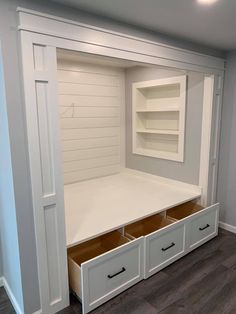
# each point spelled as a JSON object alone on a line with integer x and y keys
{"x": 202, "y": 282}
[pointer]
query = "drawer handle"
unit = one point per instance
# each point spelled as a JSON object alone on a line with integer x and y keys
{"x": 168, "y": 247}
{"x": 119, "y": 272}
{"x": 203, "y": 228}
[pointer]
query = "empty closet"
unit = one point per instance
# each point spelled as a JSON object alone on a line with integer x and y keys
{"x": 123, "y": 146}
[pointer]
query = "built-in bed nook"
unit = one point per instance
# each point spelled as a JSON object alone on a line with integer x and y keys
{"x": 123, "y": 141}
{"x": 124, "y": 224}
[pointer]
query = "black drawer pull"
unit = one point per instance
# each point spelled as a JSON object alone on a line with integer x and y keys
{"x": 168, "y": 247}
{"x": 119, "y": 272}
{"x": 203, "y": 228}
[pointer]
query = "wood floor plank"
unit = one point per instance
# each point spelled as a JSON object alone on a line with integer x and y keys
{"x": 5, "y": 304}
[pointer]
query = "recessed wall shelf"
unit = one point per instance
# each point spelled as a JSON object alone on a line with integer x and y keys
{"x": 159, "y": 118}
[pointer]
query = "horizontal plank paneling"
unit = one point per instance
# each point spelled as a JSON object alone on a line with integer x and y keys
{"x": 90, "y": 143}
{"x": 71, "y": 177}
{"x": 72, "y": 166}
{"x": 84, "y": 112}
{"x": 91, "y": 153}
{"x": 87, "y": 78}
{"x": 94, "y": 90}
{"x": 90, "y": 100}
{"x": 69, "y": 65}
{"x": 77, "y": 123}
{"x": 76, "y": 134}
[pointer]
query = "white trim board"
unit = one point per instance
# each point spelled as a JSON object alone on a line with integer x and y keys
{"x": 227, "y": 227}
{"x": 46, "y": 24}
{"x": 11, "y": 295}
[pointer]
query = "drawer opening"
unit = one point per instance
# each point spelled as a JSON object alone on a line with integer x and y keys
{"x": 184, "y": 210}
{"x": 95, "y": 247}
{"x": 146, "y": 226}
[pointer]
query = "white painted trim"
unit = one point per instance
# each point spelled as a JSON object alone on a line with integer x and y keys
{"x": 1, "y": 282}
{"x": 11, "y": 296}
{"x": 208, "y": 97}
{"x": 227, "y": 227}
{"x": 38, "y": 312}
{"x": 42, "y": 23}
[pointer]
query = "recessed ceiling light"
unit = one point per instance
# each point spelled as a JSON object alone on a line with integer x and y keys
{"x": 206, "y": 2}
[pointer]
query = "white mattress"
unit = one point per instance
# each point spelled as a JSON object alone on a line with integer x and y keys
{"x": 100, "y": 205}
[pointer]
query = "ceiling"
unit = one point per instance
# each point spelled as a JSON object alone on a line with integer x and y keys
{"x": 211, "y": 25}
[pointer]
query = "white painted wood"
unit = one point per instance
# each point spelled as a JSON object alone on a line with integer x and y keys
{"x": 45, "y": 164}
{"x": 86, "y": 100}
{"x": 93, "y": 279}
{"x": 159, "y": 131}
{"x": 45, "y": 30}
{"x": 84, "y": 77}
{"x": 108, "y": 203}
{"x": 227, "y": 227}
{"x": 156, "y": 258}
{"x": 66, "y": 29}
{"x": 76, "y": 134}
{"x": 215, "y": 138}
{"x": 90, "y": 153}
{"x": 1, "y": 281}
{"x": 86, "y": 174}
{"x": 208, "y": 221}
{"x": 206, "y": 136}
{"x": 83, "y": 126}
{"x": 11, "y": 296}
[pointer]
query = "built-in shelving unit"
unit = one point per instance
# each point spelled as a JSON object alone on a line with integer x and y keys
{"x": 159, "y": 118}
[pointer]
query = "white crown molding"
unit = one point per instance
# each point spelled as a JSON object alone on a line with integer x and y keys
{"x": 42, "y": 23}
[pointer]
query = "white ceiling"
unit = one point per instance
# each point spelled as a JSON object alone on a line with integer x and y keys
{"x": 212, "y": 25}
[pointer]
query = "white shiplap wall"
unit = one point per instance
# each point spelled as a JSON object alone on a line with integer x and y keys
{"x": 91, "y": 100}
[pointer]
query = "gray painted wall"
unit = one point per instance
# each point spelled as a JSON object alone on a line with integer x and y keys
{"x": 9, "y": 246}
{"x": 227, "y": 163}
{"x": 22, "y": 208}
{"x": 1, "y": 270}
{"x": 188, "y": 171}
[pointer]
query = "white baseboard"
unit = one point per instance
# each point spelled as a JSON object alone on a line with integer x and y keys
{"x": 38, "y": 312}
{"x": 1, "y": 282}
{"x": 228, "y": 227}
{"x": 11, "y": 296}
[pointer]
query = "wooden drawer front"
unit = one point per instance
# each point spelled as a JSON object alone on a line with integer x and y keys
{"x": 107, "y": 275}
{"x": 164, "y": 247}
{"x": 202, "y": 227}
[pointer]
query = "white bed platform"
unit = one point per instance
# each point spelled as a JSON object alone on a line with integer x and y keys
{"x": 100, "y": 205}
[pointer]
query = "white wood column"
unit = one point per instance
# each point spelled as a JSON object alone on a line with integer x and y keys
{"x": 40, "y": 84}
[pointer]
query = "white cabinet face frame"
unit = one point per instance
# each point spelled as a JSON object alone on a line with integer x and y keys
{"x": 40, "y": 35}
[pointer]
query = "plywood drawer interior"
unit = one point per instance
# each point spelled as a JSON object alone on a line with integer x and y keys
{"x": 88, "y": 250}
{"x": 184, "y": 210}
{"x": 146, "y": 226}
{"x": 95, "y": 247}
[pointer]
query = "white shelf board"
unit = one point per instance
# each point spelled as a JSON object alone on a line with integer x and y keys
{"x": 158, "y": 154}
{"x": 153, "y": 131}
{"x": 158, "y": 109}
{"x": 97, "y": 206}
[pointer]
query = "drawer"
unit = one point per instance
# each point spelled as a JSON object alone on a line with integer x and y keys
{"x": 201, "y": 223}
{"x": 202, "y": 227}
{"x": 103, "y": 267}
{"x": 163, "y": 241}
